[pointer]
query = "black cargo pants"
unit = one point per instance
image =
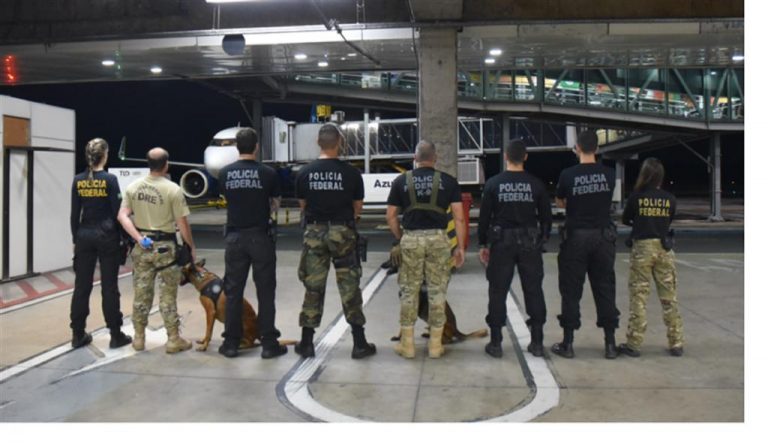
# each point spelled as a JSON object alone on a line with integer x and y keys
{"x": 589, "y": 252}
{"x": 250, "y": 249}
{"x": 91, "y": 244}
{"x": 521, "y": 249}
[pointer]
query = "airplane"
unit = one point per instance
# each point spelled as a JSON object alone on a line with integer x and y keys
{"x": 201, "y": 180}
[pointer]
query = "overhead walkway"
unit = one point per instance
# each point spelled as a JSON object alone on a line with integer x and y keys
{"x": 710, "y": 99}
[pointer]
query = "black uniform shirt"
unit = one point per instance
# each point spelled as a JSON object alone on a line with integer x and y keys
{"x": 329, "y": 186}
{"x": 649, "y": 213}
{"x": 94, "y": 202}
{"x": 514, "y": 199}
{"x": 448, "y": 192}
{"x": 248, "y": 187}
{"x": 588, "y": 190}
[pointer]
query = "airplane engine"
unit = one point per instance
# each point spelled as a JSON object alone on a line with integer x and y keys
{"x": 196, "y": 183}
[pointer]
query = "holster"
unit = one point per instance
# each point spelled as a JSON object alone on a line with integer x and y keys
{"x": 361, "y": 245}
{"x": 272, "y": 229}
{"x": 668, "y": 242}
{"x": 495, "y": 233}
{"x": 610, "y": 234}
{"x": 562, "y": 232}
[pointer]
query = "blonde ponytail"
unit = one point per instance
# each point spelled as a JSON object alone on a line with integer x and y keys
{"x": 95, "y": 151}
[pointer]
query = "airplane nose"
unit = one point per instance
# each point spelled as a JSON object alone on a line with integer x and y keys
{"x": 216, "y": 157}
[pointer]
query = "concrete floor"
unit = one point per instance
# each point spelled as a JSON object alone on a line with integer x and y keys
{"x": 706, "y": 385}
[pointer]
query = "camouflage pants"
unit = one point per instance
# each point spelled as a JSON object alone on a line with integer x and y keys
{"x": 323, "y": 244}
{"x": 426, "y": 257}
{"x": 145, "y": 268}
{"x": 649, "y": 261}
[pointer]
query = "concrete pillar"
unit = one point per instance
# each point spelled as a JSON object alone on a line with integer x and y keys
{"x": 715, "y": 179}
{"x": 620, "y": 178}
{"x": 438, "y": 112}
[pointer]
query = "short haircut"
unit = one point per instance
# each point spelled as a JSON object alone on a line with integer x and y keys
{"x": 157, "y": 158}
{"x": 425, "y": 151}
{"x": 587, "y": 141}
{"x": 328, "y": 136}
{"x": 516, "y": 151}
{"x": 247, "y": 139}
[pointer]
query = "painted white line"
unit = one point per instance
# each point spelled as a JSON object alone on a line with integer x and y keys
{"x": 547, "y": 392}
{"x": 67, "y": 347}
{"x": 296, "y": 388}
{"x": 51, "y": 296}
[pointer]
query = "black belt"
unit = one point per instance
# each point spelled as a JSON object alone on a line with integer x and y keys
{"x": 158, "y": 235}
{"x": 348, "y": 223}
{"x": 247, "y": 229}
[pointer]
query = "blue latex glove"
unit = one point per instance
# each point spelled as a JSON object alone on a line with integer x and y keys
{"x": 146, "y": 242}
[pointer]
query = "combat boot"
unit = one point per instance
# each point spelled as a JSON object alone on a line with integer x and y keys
{"x": 435, "y": 347}
{"x": 305, "y": 347}
{"x": 138, "y": 338}
{"x": 494, "y": 347}
{"x": 176, "y": 343}
{"x": 610, "y": 344}
{"x": 536, "y": 347}
{"x": 118, "y": 339}
{"x": 405, "y": 348}
{"x": 80, "y": 339}
{"x": 361, "y": 348}
{"x": 565, "y": 348}
{"x": 625, "y": 349}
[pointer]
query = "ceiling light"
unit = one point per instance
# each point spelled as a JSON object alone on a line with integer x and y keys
{"x": 713, "y": 73}
{"x": 343, "y": 58}
{"x": 352, "y": 54}
{"x": 108, "y": 63}
{"x": 229, "y": 1}
{"x": 495, "y": 52}
{"x": 490, "y": 61}
{"x": 300, "y": 56}
{"x": 156, "y": 69}
{"x": 738, "y": 58}
{"x": 322, "y": 64}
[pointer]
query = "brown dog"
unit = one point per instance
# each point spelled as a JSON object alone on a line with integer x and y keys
{"x": 451, "y": 333}
{"x": 214, "y": 301}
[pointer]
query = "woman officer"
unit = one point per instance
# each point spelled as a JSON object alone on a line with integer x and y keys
{"x": 649, "y": 211}
{"x": 95, "y": 232}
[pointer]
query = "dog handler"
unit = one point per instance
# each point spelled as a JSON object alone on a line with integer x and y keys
{"x": 424, "y": 196}
{"x": 156, "y": 203}
{"x": 515, "y": 221}
{"x": 588, "y": 245}
{"x": 253, "y": 194}
{"x": 649, "y": 211}
{"x": 96, "y": 235}
{"x": 330, "y": 195}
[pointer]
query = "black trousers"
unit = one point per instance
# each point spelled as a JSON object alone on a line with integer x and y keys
{"x": 589, "y": 252}
{"x": 507, "y": 253}
{"x": 93, "y": 244}
{"x": 250, "y": 249}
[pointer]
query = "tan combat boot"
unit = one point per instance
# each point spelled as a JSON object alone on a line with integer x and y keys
{"x": 175, "y": 343}
{"x": 436, "y": 349}
{"x": 405, "y": 347}
{"x": 138, "y": 338}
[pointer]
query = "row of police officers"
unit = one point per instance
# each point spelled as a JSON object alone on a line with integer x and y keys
{"x": 515, "y": 222}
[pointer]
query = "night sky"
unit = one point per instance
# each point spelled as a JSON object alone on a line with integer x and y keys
{"x": 183, "y": 117}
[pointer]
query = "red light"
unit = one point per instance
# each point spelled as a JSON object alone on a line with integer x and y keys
{"x": 9, "y": 69}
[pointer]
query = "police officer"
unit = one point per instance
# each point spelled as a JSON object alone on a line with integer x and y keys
{"x": 158, "y": 207}
{"x": 424, "y": 196}
{"x": 649, "y": 211}
{"x": 95, "y": 234}
{"x": 515, "y": 221}
{"x": 588, "y": 245}
{"x": 253, "y": 194}
{"x": 330, "y": 195}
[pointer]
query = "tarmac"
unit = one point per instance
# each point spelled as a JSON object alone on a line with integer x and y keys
{"x": 43, "y": 380}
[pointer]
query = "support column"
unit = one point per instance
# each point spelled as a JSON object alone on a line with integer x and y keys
{"x": 367, "y": 141}
{"x": 620, "y": 178}
{"x": 715, "y": 179}
{"x": 505, "y": 139}
{"x": 438, "y": 111}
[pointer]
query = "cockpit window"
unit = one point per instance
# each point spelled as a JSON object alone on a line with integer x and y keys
{"x": 223, "y": 142}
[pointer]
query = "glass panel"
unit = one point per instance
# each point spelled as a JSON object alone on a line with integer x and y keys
{"x": 525, "y": 85}
{"x": 646, "y": 91}
{"x": 737, "y": 100}
{"x": 499, "y": 85}
{"x": 605, "y": 89}
{"x": 718, "y": 93}
{"x": 396, "y": 138}
{"x": 404, "y": 81}
{"x": 470, "y": 84}
{"x": 564, "y": 87}
{"x": 685, "y": 93}
{"x": 323, "y": 78}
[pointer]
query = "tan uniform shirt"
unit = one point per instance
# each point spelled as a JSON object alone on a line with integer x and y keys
{"x": 156, "y": 203}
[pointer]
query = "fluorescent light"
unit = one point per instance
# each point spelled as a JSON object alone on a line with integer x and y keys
{"x": 490, "y": 61}
{"x": 495, "y": 52}
{"x": 352, "y": 54}
{"x": 300, "y": 56}
{"x": 322, "y": 64}
{"x": 738, "y": 58}
{"x": 229, "y": 1}
{"x": 108, "y": 63}
{"x": 156, "y": 69}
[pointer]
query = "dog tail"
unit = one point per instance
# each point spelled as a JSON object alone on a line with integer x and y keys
{"x": 480, "y": 333}
{"x": 288, "y": 342}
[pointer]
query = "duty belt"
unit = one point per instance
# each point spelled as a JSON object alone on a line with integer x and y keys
{"x": 158, "y": 235}
{"x": 348, "y": 223}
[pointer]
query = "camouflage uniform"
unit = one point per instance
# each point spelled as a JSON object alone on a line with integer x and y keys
{"x": 426, "y": 257}
{"x": 323, "y": 243}
{"x": 148, "y": 263}
{"x": 650, "y": 261}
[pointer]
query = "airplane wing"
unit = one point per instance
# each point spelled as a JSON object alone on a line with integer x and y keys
{"x": 121, "y": 156}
